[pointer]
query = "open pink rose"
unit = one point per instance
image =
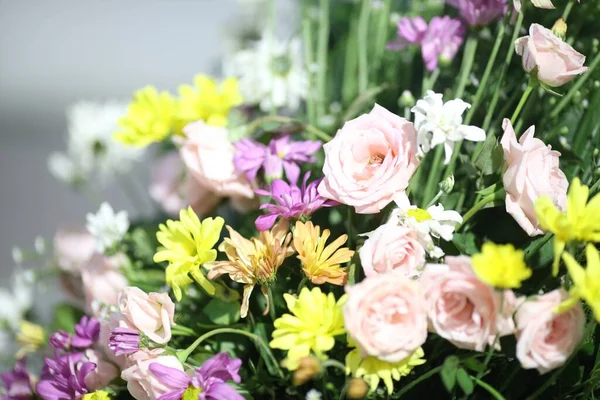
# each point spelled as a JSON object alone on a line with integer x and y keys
{"x": 553, "y": 61}
{"x": 104, "y": 372}
{"x": 208, "y": 154}
{"x": 73, "y": 248}
{"x": 545, "y": 339}
{"x": 102, "y": 281}
{"x": 461, "y": 308}
{"x": 385, "y": 316}
{"x": 392, "y": 247}
{"x": 141, "y": 383}
{"x": 150, "y": 313}
{"x": 532, "y": 170}
{"x": 369, "y": 161}
{"x": 174, "y": 189}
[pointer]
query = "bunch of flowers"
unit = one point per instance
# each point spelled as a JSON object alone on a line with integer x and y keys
{"x": 402, "y": 248}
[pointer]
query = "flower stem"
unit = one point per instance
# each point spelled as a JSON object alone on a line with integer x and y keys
{"x": 363, "y": 31}
{"x": 334, "y": 363}
{"x": 182, "y": 330}
{"x": 434, "y": 174}
{"x": 287, "y": 120}
{"x": 489, "y": 354}
{"x": 467, "y": 65}
{"x": 381, "y": 34}
{"x": 308, "y": 56}
{"x": 182, "y": 355}
{"x": 429, "y": 82}
{"x": 487, "y": 387}
{"x": 478, "y": 206}
{"x": 420, "y": 379}
{"x": 567, "y": 11}
{"x": 322, "y": 45}
{"x": 523, "y": 100}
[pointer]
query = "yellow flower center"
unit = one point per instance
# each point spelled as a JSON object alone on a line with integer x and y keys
{"x": 191, "y": 393}
{"x": 419, "y": 214}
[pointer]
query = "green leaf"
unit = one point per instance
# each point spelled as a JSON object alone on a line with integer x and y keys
{"x": 221, "y": 312}
{"x": 473, "y": 364}
{"x": 144, "y": 245}
{"x": 491, "y": 189}
{"x": 448, "y": 372}
{"x": 464, "y": 381}
{"x": 465, "y": 243}
{"x": 66, "y": 317}
{"x": 490, "y": 159}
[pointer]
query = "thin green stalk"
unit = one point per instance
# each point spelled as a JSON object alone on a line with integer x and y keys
{"x": 334, "y": 363}
{"x": 567, "y": 11}
{"x": 467, "y": 65}
{"x": 420, "y": 379}
{"x": 308, "y": 56}
{"x": 478, "y": 206}
{"x": 523, "y": 100}
{"x": 434, "y": 174}
{"x": 302, "y": 283}
{"x": 489, "y": 354}
{"x": 580, "y": 81}
{"x": 363, "y": 32}
{"x": 487, "y": 387}
{"x": 381, "y": 34}
{"x": 536, "y": 245}
{"x": 429, "y": 81}
{"x": 496, "y": 95}
{"x": 182, "y": 355}
{"x": 322, "y": 46}
{"x": 287, "y": 120}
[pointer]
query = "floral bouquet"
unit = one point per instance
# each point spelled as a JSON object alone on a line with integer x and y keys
{"x": 402, "y": 202}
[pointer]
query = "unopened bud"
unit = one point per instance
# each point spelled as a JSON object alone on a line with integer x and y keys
{"x": 307, "y": 368}
{"x": 447, "y": 184}
{"x": 357, "y": 388}
{"x": 596, "y": 152}
{"x": 406, "y": 99}
{"x": 560, "y": 29}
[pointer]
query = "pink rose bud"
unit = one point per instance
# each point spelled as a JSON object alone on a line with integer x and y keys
{"x": 552, "y": 61}
{"x": 141, "y": 383}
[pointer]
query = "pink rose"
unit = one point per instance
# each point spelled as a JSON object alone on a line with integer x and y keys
{"x": 108, "y": 322}
{"x": 104, "y": 373}
{"x": 385, "y": 316}
{"x": 552, "y": 60}
{"x": 73, "y": 248}
{"x": 208, "y": 154}
{"x": 102, "y": 281}
{"x": 152, "y": 314}
{"x": 532, "y": 171}
{"x": 545, "y": 340}
{"x": 369, "y": 161}
{"x": 174, "y": 189}
{"x": 461, "y": 308}
{"x": 141, "y": 383}
{"x": 392, "y": 247}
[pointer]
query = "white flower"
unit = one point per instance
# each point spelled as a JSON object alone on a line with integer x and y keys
{"x": 441, "y": 123}
{"x": 14, "y": 303}
{"x": 313, "y": 394}
{"x": 107, "y": 227}
{"x": 433, "y": 223}
{"x": 271, "y": 73}
{"x": 91, "y": 150}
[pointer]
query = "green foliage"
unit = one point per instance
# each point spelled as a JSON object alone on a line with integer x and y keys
{"x": 449, "y": 372}
{"x": 66, "y": 317}
{"x": 222, "y": 313}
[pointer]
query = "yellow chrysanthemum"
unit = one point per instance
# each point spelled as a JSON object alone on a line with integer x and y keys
{"x": 254, "y": 261}
{"x": 187, "y": 244}
{"x": 321, "y": 264}
{"x": 500, "y": 266}
{"x": 208, "y": 101}
{"x": 97, "y": 395}
{"x": 149, "y": 118}
{"x": 581, "y": 221}
{"x": 586, "y": 282}
{"x": 315, "y": 319}
{"x": 372, "y": 370}
{"x": 30, "y": 338}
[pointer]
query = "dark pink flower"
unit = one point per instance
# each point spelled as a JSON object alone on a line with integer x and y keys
{"x": 63, "y": 377}
{"x": 17, "y": 383}
{"x": 124, "y": 341}
{"x": 411, "y": 30}
{"x": 479, "y": 12}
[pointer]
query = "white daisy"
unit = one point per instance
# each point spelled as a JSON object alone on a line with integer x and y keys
{"x": 441, "y": 123}
{"x": 107, "y": 227}
{"x": 313, "y": 394}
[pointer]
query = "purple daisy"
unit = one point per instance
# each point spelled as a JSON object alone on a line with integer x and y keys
{"x": 17, "y": 383}
{"x": 479, "y": 12}
{"x": 87, "y": 332}
{"x": 124, "y": 341}
{"x": 63, "y": 377}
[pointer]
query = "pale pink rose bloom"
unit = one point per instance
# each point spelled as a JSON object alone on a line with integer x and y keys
{"x": 208, "y": 155}
{"x": 73, "y": 248}
{"x": 392, "y": 247}
{"x": 545, "y": 339}
{"x": 385, "y": 316}
{"x": 141, "y": 383}
{"x": 104, "y": 373}
{"x": 102, "y": 281}
{"x": 461, "y": 308}
{"x": 369, "y": 161}
{"x": 554, "y": 60}
{"x": 175, "y": 189}
{"x": 150, "y": 313}
{"x": 532, "y": 171}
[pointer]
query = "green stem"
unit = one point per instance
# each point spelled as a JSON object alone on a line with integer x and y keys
{"x": 467, "y": 65}
{"x": 567, "y": 11}
{"x": 308, "y": 56}
{"x": 594, "y": 187}
{"x": 302, "y": 284}
{"x": 524, "y": 97}
{"x": 489, "y": 354}
{"x": 381, "y": 34}
{"x": 322, "y": 45}
{"x": 420, "y": 379}
{"x": 478, "y": 206}
{"x": 434, "y": 174}
{"x": 182, "y": 355}
{"x": 487, "y": 387}
{"x": 183, "y": 330}
{"x": 287, "y": 120}
{"x": 334, "y": 363}
{"x": 537, "y": 245}
{"x": 429, "y": 82}
{"x": 363, "y": 30}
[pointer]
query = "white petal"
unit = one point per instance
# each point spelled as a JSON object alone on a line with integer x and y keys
{"x": 473, "y": 133}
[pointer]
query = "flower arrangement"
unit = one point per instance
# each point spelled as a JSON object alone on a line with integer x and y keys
{"x": 319, "y": 233}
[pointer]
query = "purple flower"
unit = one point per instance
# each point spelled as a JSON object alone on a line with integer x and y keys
{"x": 63, "y": 377}
{"x": 281, "y": 154}
{"x": 479, "y": 12}
{"x": 444, "y": 37}
{"x": 17, "y": 382}
{"x": 124, "y": 341}
{"x": 208, "y": 381}
{"x": 291, "y": 202}
{"x": 86, "y": 333}
{"x": 410, "y": 31}
{"x": 60, "y": 340}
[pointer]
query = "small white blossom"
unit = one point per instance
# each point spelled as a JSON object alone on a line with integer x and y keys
{"x": 14, "y": 303}
{"x": 39, "y": 245}
{"x": 107, "y": 227}
{"x": 313, "y": 394}
{"x": 442, "y": 123}
{"x": 17, "y": 255}
{"x": 430, "y": 224}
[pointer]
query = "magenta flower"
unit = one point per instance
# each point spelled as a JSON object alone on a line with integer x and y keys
{"x": 411, "y": 30}
{"x": 124, "y": 341}
{"x": 479, "y": 12}
{"x": 63, "y": 378}
{"x": 291, "y": 201}
{"x": 444, "y": 37}
{"x": 207, "y": 382}
{"x": 281, "y": 154}
{"x": 60, "y": 340}
{"x": 17, "y": 383}
{"x": 87, "y": 332}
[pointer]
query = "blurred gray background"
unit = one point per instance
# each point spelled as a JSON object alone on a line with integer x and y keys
{"x": 53, "y": 53}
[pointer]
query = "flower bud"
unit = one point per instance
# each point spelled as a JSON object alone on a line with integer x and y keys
{"x": 124, "y": 341}
{"x": 307, "y": 368}
{"x": 357, "y": 388}
{"x": 447, "y": 184}
{"x": 60, "y": 340}
{"x": 560, "y": 29}
{"x": 406, "y": 99}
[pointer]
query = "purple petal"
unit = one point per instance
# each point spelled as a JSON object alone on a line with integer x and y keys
{"x": 292, "y": 171}
{"x": 221, "y": 391}
{"x": 173, "y": 395}
{"x": 273, "y": 167}
{"x": 279, "y": 186}
{"x": 171, "y": 377}
{"x": 221, "y": 366}
{"x": 265, "y": 222}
